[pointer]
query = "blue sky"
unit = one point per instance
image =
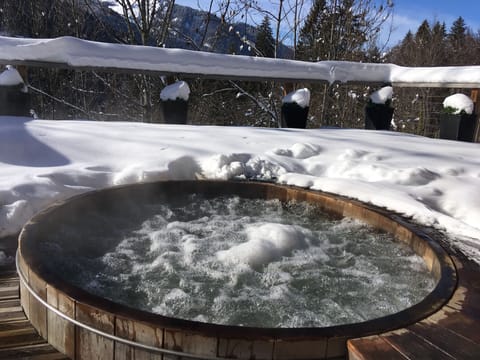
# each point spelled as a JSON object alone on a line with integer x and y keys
{"x": 408, "y": 14}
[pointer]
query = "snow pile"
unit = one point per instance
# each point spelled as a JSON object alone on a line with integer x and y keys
{"x": 382, "y": 96}
{"x": 301, "y": 97}
{"x": 178, "y": 90}
{"x": 10, "y": 77}
{"x": 459, "y": 103}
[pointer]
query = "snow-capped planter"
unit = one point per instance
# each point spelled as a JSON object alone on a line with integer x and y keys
{"x": 379, "y": 112}
{"x": 295, "y": 106}
{"x": 174, "y": 102}
{"x": 14, "y": 96}
{"x": 457, "y": 120}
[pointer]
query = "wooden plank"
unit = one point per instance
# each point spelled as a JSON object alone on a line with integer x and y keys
{"x": 8, "y": 277}
{"x": 37, "y": 311}
{"x": 9, "y": 291}
{"x": 245, "y": 349}
{"x": 9, "y": 305}
{"x": 372, "y": 347}
{"x": 141, "y": 332}
{"x": 474, "y": 95}
{"x": 88, "y": 344}
{"x": 12, "y": 325}
{"x": 24, "y": 293}
{"x": 14, "y": 331}
{"x": 61, "y": 333}
{"x": 315, "y": 349}
{"x": 13, "y": 314}
{"x": 459, "y": 324}
{"x": 20, "y": 338}
{"x": 180, "y": 340}
{"x": 450, "y": 342}
{"x": 336, "y": 347}
{"x": 467, "y": 302}
{"x": 33, "y": 352}
{"x": 414, "y": 347}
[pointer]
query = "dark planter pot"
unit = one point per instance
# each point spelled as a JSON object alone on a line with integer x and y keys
{"x": 174, "y": 111}
{"x": 458, "y": 126}
{"x": 378, "y": 117}
{"x": 13, "y": 101}
{"x": 294, "y": 116}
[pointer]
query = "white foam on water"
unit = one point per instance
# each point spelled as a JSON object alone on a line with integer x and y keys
{"x": 266, "y": 243}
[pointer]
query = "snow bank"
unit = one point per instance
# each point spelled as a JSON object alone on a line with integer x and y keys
{"x": 301, "y": 97}
{"x": 44, "y": 161}
{"x": 381, "y": 96}
{"x": 178, "y": 90}
{"x": 10, "y": 77}
{"x": 459, "y": 102}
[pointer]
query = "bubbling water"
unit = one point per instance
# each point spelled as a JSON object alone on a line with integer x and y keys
{"x": 236, "y": 261}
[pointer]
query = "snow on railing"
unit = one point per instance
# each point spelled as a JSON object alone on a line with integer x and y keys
{"x": 69, "y": 52}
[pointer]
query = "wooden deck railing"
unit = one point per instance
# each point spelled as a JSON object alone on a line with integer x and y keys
{"x": 77, "y": 54}
{"x": 74, "y": 53}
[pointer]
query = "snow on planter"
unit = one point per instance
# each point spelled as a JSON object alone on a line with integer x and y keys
{"x": 301, "y": 97}
{"x": 174, "y": 103}
{"x": 382, "y": 96}
{"x": 458, "y": 103}
{"x": 14, "y": 96}
{"x": 457, "y": 121}
{"x": 295, "y": 106}
{"x": 378, "y": 112}
{"x": 10, "y": 77}
{"x": 178, "y": 90}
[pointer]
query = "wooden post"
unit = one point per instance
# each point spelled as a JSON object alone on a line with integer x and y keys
{"x": 23, "y": 71}
{"x": 474, "y": 95}
{"x": 288, "y": 88}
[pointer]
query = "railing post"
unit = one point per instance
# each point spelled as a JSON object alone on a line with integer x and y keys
{"x": 474, "y": 95}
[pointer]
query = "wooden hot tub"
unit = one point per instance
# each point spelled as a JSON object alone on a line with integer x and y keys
{"x": 85, "y": 326}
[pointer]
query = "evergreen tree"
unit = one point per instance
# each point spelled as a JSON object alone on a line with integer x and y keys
{"x": 340, "y": 29}
{"x": 404, "y": 52}
{"x": 458, "y": 37}
{"x": 311, "y": 38}
{"x": 423, "y": 36}
{"x": 264, "y": 41}
{"x": 458, "y": 31}
{"x": 430, "y": 45}
{"x": 438, "y": 52}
